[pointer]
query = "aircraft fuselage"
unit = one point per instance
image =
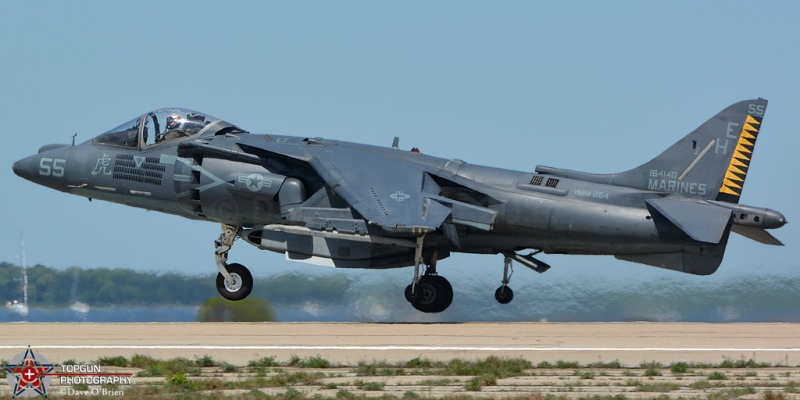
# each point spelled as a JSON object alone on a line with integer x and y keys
{"x": 352, "y": 205}
{"x": 557, "y": 215}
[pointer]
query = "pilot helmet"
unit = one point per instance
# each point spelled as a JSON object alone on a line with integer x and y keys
{"x": 173, "y": 121}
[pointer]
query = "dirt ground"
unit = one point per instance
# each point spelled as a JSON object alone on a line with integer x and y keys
{"x": 349, "y": 343}
{"x": 567, "y": 383}
{"x": 568, "y": 361}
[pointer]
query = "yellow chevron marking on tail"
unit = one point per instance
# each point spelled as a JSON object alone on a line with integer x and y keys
{"x": 751, "y": 120}
{"x": 738, "y": 163}
{"x": 736, "y": 170}
{"x": 742, "y": 152}
{"x": 734, "y": 180}
{"x": 740, "y": 160}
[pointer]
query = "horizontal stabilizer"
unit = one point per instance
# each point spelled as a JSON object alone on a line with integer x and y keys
{"x": 687, "y": 262}
{"x": 702, "y": 221}
{"x": 757, "y": 234}
{"x": 700, "y": 259}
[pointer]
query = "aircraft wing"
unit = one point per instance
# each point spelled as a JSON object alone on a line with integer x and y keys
{"x": 391, "y": 193}
{"x": 395, "y": 193}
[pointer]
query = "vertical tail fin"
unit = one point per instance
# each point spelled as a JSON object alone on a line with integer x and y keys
{"x": 712, "y": 161}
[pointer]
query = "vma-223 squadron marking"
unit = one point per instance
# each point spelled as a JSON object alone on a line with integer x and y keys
{"x": 352, "y": 205}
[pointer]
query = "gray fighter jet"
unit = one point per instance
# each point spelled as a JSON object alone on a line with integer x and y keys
{"x": 351, "y": 205}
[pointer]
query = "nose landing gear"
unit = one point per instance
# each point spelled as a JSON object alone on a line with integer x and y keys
{"x": 234, "y": 281}
{"x": 239, "y": 286}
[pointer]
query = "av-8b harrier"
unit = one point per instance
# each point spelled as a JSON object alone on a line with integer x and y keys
{"x": 352, "y": 205}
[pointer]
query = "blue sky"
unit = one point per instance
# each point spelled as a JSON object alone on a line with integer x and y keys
{"x": 589, "y": 86}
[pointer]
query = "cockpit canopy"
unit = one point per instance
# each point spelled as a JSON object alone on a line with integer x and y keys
{"x": 164, "y": 126}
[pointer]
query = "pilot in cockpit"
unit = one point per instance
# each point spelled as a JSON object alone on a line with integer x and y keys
{"x": 174, "y": 130}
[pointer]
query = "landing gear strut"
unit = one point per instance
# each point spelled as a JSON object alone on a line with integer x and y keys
{"x": 504, "y": 294}
{"x": 234, "y": 281}
{"x": 430, "y": 293}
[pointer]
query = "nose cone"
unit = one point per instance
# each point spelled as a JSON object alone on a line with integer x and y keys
{"x": 17, "y": 169}
{"x": 24, "y": 168}
{"x": 47, "y": 168}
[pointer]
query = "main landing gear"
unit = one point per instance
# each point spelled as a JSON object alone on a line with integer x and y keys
{"x": 430, "y": 293}
{"x": 234, "y": 281}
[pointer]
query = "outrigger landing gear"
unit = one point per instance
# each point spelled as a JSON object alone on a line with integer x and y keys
{"x": 234, "y": 281}
{"x": 430, "y": 293}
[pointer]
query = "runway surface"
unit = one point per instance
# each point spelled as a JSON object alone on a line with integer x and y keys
{"x": 349, "y": 343}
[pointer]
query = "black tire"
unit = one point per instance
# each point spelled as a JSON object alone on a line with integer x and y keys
{"x": 243, "y": 283}
{"x": 504, "y": 295}
{"x": 433, "y": 294}
{"x": 444, "y": 293}
{"x": 411, "y": 297}
{"x": 424, "y": 295}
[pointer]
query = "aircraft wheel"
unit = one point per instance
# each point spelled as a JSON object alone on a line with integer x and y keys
{"x": 240, "y": 287}
{"x": 504, "y": 294}
{"x": 423, "y": 296}
{"x": 411, "y": 297}
{"x": 434, "y": 294}
{"x": 444, "y": 293}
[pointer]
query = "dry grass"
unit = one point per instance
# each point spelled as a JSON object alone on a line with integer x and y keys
{"x": 490, "y": 378}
